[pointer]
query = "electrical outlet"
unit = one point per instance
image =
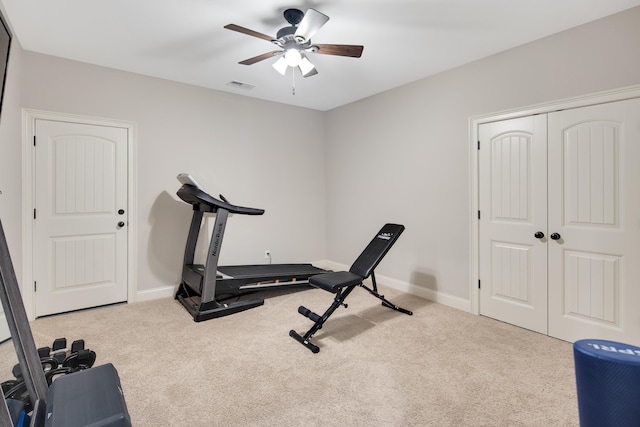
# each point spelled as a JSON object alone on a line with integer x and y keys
{"x": 267, "y": 253}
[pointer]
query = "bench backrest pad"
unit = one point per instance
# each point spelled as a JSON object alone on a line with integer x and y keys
{"x": 376, "y": 250}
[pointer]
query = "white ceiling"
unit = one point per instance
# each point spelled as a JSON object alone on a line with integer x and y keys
{"x": 184, "y": 40}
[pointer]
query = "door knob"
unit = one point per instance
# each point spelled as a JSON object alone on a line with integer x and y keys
{"x": 121, "y": 224}
{"x": 121, "y": 212}
{"x": 555, "y": 236}
{"x": 539, "y": 235}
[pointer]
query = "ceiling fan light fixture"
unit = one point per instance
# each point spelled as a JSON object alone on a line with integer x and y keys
{"x": 306, "y": 67}
{"x": 293, "y": 57}
{"x": 281, "y": 65}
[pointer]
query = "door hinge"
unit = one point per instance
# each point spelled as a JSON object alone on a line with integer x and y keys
{"x": 34, "y": 140}
{"x": 34, "y": 214}
{"x": 478, "y": 144}
{"x": 35, "y": 286}
{"x": 478, "y": 214}
{"x": 478, "y": 283}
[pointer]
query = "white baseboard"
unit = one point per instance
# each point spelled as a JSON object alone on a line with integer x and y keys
{"x": 429, "y": 294}
{"x": 155, "y": 293}
{"x": 330, "y": 265}
{"x": 426, "y": 293}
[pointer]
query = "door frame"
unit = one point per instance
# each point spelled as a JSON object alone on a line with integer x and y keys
{"x": 620, "y": 94}
{"x": 29, "y": 117}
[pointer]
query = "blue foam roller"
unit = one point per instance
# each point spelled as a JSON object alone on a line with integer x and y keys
{"x": 608, "y": 383}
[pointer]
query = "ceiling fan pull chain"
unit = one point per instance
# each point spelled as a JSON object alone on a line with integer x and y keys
{"x": 293, "y": 81}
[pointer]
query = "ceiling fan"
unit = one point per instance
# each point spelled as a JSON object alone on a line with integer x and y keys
{"x": 295, "y": 42}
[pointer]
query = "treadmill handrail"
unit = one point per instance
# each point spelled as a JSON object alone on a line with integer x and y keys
{"x": 199, "y": 199}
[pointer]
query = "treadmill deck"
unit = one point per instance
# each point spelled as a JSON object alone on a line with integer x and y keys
{"x": 234, "y": 279}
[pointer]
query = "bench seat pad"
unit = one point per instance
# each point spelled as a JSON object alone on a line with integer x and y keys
{"x": 335, "y": 281}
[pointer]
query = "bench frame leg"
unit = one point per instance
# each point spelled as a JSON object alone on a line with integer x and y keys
{"x": 385, "y": 301}
{"x": 305, "y": 339}
{"x": 319, "y": 320}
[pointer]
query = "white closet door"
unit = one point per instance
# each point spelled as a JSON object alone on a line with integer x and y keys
{"x": 513, "y": 208}
{"x": 594, "y": 206}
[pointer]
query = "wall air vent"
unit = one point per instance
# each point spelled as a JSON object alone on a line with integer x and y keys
{"x": 240, "y": 85}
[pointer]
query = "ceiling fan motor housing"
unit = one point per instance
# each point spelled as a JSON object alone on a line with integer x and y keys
{"x": 287, "y": 34}
{"x": 287, "y": 39}
{"x": 286, "y": 31}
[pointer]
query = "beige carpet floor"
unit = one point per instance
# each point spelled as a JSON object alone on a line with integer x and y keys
{"x": 376, "y": 367}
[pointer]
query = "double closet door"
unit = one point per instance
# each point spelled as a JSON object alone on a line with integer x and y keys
{"x": 559, "y": 201}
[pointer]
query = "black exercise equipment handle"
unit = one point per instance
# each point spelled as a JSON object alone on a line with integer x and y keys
{"x": 204, "y": 202}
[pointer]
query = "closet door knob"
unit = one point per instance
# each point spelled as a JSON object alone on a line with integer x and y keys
{"x": 555, "y": 236}
{"x": 539, "y": 235}
{"x": 121, "y": 224}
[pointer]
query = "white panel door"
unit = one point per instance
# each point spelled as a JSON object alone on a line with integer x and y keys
{"x": 594, "y": 207}
{"x": 80, "y": 232}
{"x": 513, "y": 208}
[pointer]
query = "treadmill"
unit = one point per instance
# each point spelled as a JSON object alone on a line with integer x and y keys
{"x": 206, "y": 290}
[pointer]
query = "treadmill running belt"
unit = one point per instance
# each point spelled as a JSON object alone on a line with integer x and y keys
{"x": 269, "y": 271}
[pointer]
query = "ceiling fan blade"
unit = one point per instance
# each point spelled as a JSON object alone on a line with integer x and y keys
{"x": 260, "y": 57}
{"x": 311, "y": 23}
{"x": 243, "y": 30}
{"x": 351, "y": 50}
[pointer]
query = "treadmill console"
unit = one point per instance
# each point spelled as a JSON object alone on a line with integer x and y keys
{"x": 185, "y": 178}
{"x": 192, "y": 193}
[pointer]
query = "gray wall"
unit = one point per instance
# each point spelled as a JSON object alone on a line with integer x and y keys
{"x": 233, "y": 145}
{"x": 401, "y": 156}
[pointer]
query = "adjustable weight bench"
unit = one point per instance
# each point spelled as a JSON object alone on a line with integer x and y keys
{"x": 342, "y": 283}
